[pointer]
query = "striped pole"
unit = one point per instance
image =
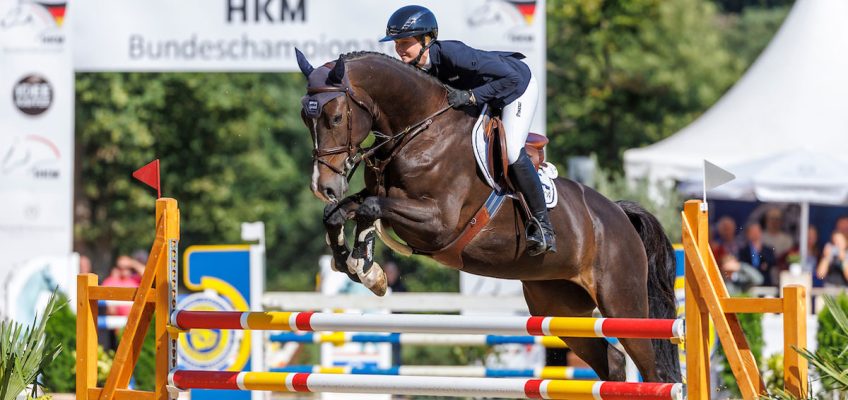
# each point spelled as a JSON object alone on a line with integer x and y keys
{"x": 111, "y": 321}
{"x": 416, "y": 339}
{"x": 455, "y": 371}
{"x": 419, "y": 323}
{"x": 424, "y": 385}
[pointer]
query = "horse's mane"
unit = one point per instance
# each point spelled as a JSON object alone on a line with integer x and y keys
{"x": 358, "y": 55}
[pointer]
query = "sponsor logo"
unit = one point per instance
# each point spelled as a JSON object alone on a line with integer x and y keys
{"x": 266, "y": 10}
{"x": 514, "y": 15}
{"x": 33, "y": 155}
{"x": 208, "y": 349}
{"x": 34, "y": 25}
{"x": 501, "y": 12}
{"x": 312, "y": 107}
{"x": 33, "y": 95}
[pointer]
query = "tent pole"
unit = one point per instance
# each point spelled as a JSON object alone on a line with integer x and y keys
{"x": 804, "y": 230}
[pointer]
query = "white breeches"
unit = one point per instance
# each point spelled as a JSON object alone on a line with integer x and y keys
{"x": 517, "y": 117}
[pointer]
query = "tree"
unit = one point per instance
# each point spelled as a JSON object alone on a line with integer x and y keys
{"x": 628, "y": 73}
{"x": 232, "y": 149}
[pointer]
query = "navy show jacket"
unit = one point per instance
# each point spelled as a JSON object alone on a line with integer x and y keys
{"x": 495, "y": 77}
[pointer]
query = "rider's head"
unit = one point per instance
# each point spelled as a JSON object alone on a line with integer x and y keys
{"x": 413, "y": 29}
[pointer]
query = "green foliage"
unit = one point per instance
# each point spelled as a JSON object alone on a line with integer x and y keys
{"x": 421, "y": 274}
{"x": 627, "y": 73}
{"x": 443, "y": 355}
{"x": 664, "y": 202}
{"x": 25, "y": 351}
{"x": 748, "y": 33}
{"x": 105, "y": 358}
{"x": 59, "y": 376}
{"x": 831, "y": 357}
{"x": 752, "y": 326}
{"x": 774, "y": 372}
{"x": 232, "y": 149}
{"x": 145, "y": 370}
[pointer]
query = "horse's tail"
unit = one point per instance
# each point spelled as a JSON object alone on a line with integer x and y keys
{"x": 661, "y": 275}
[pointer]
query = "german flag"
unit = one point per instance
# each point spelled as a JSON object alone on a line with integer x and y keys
{"x": 527, "y": 8}
{"x": 56, "y": 9}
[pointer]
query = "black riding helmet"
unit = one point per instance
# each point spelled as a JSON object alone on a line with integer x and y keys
{"x": 411, "y": 21}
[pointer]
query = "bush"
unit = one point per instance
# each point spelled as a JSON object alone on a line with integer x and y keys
{"x": 145, "y": 370}
{"x": 25, "y": 351}
{"x": 752, "y": 326}
{"x": 58, "y": 376}
{"x": 832, "y": 338}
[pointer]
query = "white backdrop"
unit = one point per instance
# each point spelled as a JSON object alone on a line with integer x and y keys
{"x": 36, "y": 134}
{"x": 260, "y": 35}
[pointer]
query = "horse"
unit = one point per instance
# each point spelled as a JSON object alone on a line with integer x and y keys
{"x": 422, "y": 182}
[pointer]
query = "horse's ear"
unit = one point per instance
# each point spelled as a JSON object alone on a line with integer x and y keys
{"x": 303, "y": 63}
{"x": 337, "y": 73}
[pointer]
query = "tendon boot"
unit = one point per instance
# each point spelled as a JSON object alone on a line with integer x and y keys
{"x": 540, "y": 233}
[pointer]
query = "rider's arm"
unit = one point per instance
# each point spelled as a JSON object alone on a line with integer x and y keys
{"x": 504, "y": 77}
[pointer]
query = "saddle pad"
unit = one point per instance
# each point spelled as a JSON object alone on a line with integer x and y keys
{"x": 479, "y": 143}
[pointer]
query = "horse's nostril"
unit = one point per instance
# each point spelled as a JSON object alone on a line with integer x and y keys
{"x": 330, "y": 194}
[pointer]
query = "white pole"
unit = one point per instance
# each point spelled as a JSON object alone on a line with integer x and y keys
{"x": 804, "y": 227}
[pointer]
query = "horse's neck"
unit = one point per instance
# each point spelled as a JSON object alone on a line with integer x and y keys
{"x": 402, "y": 96}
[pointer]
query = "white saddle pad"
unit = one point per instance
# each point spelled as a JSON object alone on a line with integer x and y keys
{"x": 547, "y": 171}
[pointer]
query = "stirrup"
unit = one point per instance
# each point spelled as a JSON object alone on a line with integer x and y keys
{"x": 534, "y": 222}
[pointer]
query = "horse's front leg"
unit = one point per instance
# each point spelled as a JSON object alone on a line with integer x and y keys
{"x": 361, "y": 260}
{"x": 335, "y": 216}
{"x": 418, "y": 213}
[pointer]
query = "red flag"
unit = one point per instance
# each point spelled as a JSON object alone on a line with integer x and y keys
{"x": 149, "y": 174}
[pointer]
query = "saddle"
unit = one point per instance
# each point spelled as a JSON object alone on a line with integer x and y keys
{"x": 497, "y": 162}
{"x": 489, "y": 145}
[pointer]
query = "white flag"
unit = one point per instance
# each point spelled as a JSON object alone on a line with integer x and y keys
{"x": 715, "y": 176}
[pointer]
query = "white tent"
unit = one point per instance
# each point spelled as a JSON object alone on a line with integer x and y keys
{"x": 794, "y": 97}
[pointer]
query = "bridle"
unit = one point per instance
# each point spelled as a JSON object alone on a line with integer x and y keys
{"x": 356, "y": 154}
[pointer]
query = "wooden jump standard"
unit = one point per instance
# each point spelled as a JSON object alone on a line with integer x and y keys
{"x": 706, "y": 298}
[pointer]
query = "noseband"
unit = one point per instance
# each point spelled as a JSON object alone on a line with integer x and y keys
{"x": 356, "y": 154}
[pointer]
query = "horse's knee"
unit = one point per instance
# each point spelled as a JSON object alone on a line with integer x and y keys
{"x": 369, "y": 209}
{"x": 617, "y": 362}
{"x": 334, "y": 215}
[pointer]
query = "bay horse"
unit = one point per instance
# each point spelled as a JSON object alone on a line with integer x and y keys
{"x": 423, "y": 183}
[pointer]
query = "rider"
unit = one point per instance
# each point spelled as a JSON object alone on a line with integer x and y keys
{"x": 475, "y": 77}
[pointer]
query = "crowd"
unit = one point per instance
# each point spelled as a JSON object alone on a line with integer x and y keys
{"x": 125, "y": 272}
{"x": 763, "y": 249}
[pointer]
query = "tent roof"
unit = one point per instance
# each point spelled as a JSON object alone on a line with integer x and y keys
{"x": 795, "y": 96}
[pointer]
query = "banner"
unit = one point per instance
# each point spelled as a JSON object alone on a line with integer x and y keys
{"x": 36, "y": 133}
{"x": 260, "y": 35}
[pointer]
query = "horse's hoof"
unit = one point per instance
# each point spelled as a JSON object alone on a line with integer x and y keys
{"x": 375, "y": 280}
{"x": 333, "y": 264}
{"x": 354, "y": 265}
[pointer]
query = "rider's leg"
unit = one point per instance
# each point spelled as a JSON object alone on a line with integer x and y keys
{"x": 517, "y": 117}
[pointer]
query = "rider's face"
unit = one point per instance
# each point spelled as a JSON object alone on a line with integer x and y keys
{"x": 408, "y": 48}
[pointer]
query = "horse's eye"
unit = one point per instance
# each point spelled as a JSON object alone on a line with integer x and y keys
{"x": 337, "y": 119}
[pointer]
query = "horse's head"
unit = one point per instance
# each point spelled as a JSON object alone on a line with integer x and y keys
{"x": 339, "y": 121}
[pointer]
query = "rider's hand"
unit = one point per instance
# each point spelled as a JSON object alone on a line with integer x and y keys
{"x": 460, "y": 98}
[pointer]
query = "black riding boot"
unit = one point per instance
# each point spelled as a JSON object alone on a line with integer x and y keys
{"x": 540, "y": 232}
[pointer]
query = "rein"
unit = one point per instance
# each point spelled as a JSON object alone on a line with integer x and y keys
{"x": 355, "y": 154}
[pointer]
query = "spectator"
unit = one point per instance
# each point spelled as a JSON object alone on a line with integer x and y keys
{"x": 84, "y": 264}
{"x": 393, "y": 277}
{"x": 759, "y": 256}
{"x": 125, "y": 273}
{"x": 774, "y": 236}
{"x": 833, "y": 268}
{"x": 739, "y": 277}
{"x": 810, "y": 264}
{"x": 842, "y": 225}
{"x": 726, "y": 243}
{"x": 140, "y": 255}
